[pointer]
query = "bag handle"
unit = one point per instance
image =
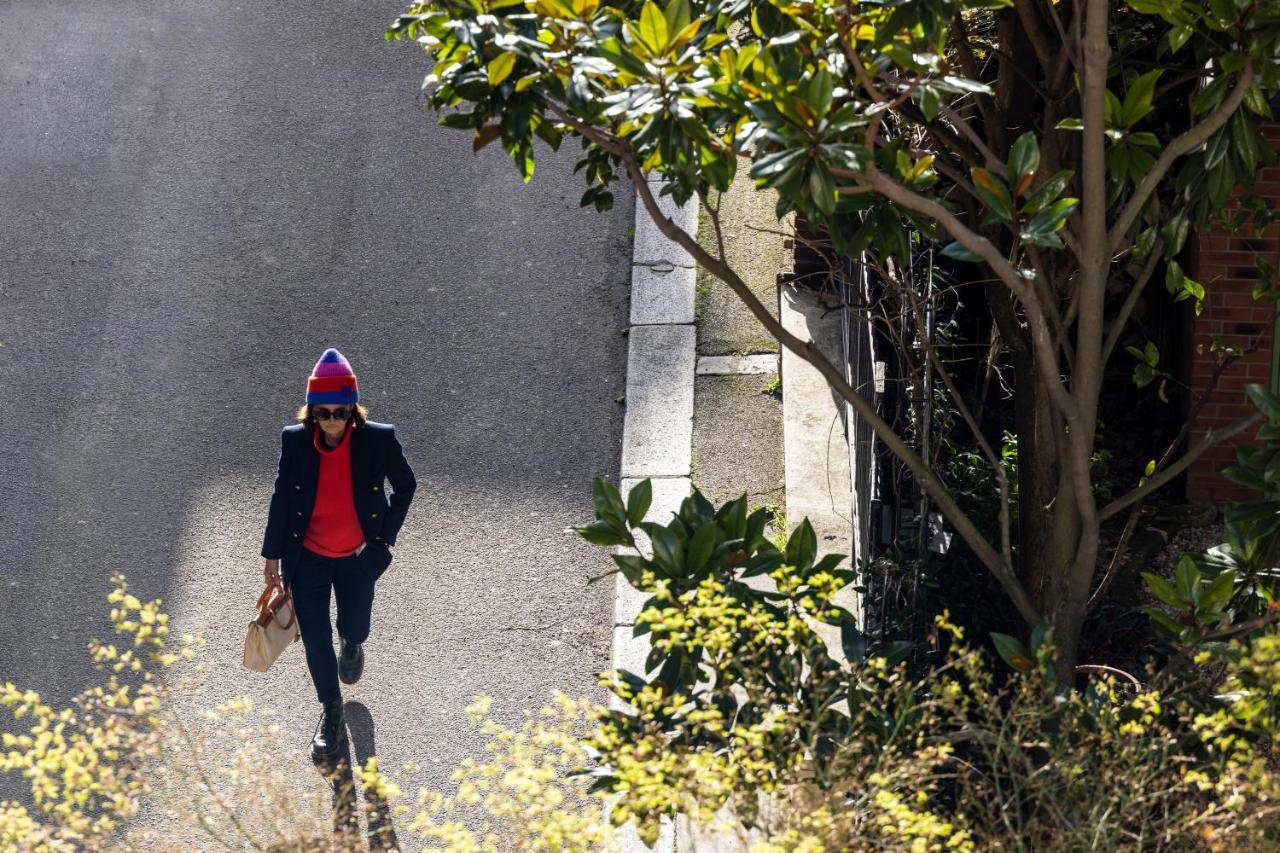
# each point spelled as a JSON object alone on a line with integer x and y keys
{"x": 269, "y": 604}
{"x": 293, "y": 613}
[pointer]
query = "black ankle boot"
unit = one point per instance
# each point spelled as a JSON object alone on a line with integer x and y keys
{"x": 329, "y": 733}
{"x": 350, "y": 661}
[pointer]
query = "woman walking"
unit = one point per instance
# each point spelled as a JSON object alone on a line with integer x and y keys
{"x": 330, "y": 526}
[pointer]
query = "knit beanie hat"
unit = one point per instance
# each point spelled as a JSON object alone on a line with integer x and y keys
{"x": 332, "y": 380}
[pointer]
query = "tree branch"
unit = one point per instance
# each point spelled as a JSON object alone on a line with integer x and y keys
{"x": 991, "y": 116}
{"x": 809, "y": 351}
{"x": 1037, "y": 33}
{"x": 997, "y": 465}
{"x": 1211, "y": 438}
{"x": 981, "y": 246}
{"x": 1117, "y": 325}
{"x": 1191, "y": 139}
{"x": 1136, "y": 511}
{"x": 994, "y": 163}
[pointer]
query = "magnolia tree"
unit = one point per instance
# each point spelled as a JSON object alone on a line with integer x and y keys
{"x": 1065, "y": 148}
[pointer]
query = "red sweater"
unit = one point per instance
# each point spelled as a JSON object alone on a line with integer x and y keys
{"x": 334, "y": 530}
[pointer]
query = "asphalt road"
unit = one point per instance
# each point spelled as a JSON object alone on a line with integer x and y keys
{"x": 196, "y": 199}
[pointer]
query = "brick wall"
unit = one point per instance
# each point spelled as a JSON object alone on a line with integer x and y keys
{"x": 1224, "y": 263}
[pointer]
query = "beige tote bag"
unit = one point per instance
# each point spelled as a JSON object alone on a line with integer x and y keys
{"x": 272, "y": 630}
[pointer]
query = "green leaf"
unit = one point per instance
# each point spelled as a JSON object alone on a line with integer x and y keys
{"x": 1232, "y": 62}
{"x": 1024, "y": 156}
{"x": 1174, "y": 277}
{"x": 1137, "y": 101}
{"x": 896, "y": 652}
{"x": 600, "y": 533}
{"x": 1163, "y": 621}
{"x": 1114, "y": 110}
{"x": 1178, "y": 37}
{"x": 930, "y": 102}
{"x": 802, "y": 547}
{"x": 1217, "y": 148}
{"x": 633, "y": 567}
{"x": 1175, "y": 232}
{"x": 753, "y": 537}
{"x": 1187, "y": 576}
{"x": 668, "y": 551}
{"x": 1013, "y": 652}
{"x": 1268, "y": 402}
{"x": 1039, "y": 634}
{"x": 653, "y": 27}
{"x": 1048, "y": 191}
{"x": 1162, "y": 590}
{"x": 993, "y": 192}
{"x": 822, "y": 189}
{"x": 1047, "y": 222}
{"x": 1219, "y": 591}
{"x": 501, "y": 67}
{"x": 1146, "y": 240}
{"x": 828, "y": 563}
{"x": 1255, "y": 100}
{"x": 638, "y": 501}
{"x": 1209, "y": 97}
{"x": 607, "y": 499}
{"x": 700, "y": 547}
{"x": 960, "y": 253}
{"x": 772, "y": 165}
{"x": 614, "y": 51}
{"x": 733, "y": 517}
{"x": 852, "y": 642}
{"x": 762, "y": 563}
{"x": 677, "y": 15}
{"x": 459, "y": 121}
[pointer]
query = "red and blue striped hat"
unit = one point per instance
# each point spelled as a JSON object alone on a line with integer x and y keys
{"x": 332, "y": 381}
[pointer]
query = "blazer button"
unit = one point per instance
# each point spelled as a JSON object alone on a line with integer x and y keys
{"x": 297, "y": 487}
{"x": 295, "y": 536}
{"x": 299, "y": 512}
{"x": 373, "y": 515}
{"x": 376, "y": 488}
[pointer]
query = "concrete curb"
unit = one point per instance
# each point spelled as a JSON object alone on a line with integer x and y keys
{"x": 737, "y": 365}
{"x": 657, "y": 431}
{"x": 815, "y": 443}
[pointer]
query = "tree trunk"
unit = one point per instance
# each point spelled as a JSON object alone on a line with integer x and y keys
{"x": 1049, "y": 523}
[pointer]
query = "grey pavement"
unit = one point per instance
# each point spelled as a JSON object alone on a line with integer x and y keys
{"x": 197, "y": 199}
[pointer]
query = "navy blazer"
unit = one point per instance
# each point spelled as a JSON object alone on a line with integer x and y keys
{"x": 376, "y": 456}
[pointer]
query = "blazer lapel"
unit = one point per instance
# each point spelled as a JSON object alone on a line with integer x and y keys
{"x": 310, "y": 462}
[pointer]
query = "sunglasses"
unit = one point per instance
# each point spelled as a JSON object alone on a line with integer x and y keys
{"x": 339, "y": 414}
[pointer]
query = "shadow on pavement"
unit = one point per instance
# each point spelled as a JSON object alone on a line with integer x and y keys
{"x": 381, "y": 834}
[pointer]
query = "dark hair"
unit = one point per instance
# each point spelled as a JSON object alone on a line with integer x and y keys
{"x": 359, "y": 414}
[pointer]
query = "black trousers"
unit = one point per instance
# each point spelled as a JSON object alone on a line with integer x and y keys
{"x": 352, "y": 584}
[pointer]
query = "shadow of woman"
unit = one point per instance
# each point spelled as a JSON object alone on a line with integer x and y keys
{"x": 381, "y": 834}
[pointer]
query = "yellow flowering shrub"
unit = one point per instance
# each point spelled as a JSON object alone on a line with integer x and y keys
{"x": 83, "y": 763}
{"x": 748, "y": 729}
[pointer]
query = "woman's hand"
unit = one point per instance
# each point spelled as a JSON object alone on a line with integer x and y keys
{"x": 271, "y": 572}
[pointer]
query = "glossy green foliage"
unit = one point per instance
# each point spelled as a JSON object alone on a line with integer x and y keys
{"x": 730, "y": 617}
{"x": 1232, "y": 588}
{"x": 690, "y": 85}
